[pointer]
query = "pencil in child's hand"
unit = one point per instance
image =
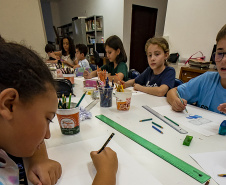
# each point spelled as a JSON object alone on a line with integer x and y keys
{"x": 181, "y": 101}
{"x": 105, "y": 144}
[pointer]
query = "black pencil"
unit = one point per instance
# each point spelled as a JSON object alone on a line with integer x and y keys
{"x": 105, "y": 144}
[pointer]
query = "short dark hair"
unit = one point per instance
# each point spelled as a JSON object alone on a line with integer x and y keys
{"x": 221, "y": 34}
{"x": 82, "y": 48}
{"x": 49, "y": 48}
{"x": 71, "y": 47}
{"x": 115, "y": 42}
{"x": 23, "y": 70}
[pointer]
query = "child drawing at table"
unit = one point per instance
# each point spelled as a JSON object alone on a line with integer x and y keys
{"x": 28, "y": 103}
{"x": 158, "y": 78}
{"x": 208, "y": 90}
{"x": 117, "y": 60}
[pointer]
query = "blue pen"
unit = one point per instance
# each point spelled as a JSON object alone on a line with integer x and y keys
{"x": 181, "y": 100}
{"x": 157, "y": 129}
{"x": 107, "y": 83}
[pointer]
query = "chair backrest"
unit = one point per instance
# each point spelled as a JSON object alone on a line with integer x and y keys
{"x": 178, "y": 82}
{"x": 93, "y": 67}
{"x": 96, "y": 57}
{"x": 133, "y": 74}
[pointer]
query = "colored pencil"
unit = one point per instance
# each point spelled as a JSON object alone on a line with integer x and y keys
{"x": 69, "y": 103}
{"x": 157, "y": 124}
{"x": 222, "y": 175}
{"x": 105, "y": 144}
{"x": 171, "y": 120}
{"x": 157, "y": 129}
{"x": 81, "y": 99}
{"x": 207, "y": 182}
{"x": 119, "y": 78}
{"x": 181, "y": 100}
{"x": 145, "y": 120}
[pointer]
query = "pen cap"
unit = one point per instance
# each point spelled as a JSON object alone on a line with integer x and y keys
{"x": 123, "y": 99}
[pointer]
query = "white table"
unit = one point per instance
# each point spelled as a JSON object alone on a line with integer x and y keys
{"x": 170, "y": 141}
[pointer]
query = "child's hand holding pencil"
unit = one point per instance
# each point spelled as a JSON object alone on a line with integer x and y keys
{"x": 177, "y": 104}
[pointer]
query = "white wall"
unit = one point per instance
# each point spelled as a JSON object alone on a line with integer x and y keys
{"x": 112, "y": 10}
{"x": 22, "y": 21}
{"x": 192, "y": 25}
{"x": 161, "y": 5}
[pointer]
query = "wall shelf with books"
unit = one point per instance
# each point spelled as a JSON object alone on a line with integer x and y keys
{"x": 65, "y": 30}
{"x": 94, "y": 32}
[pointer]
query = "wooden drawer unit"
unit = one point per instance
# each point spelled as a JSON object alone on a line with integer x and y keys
{"x": 187, "y": 73}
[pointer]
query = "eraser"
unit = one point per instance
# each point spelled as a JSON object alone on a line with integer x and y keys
{"x": 222, "y": 128}
{"x": 187, "y": 140}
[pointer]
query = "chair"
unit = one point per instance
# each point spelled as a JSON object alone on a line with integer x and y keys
{"x": 133, "y": 74}
{"x": 97, "y": 59}
{"x": 178, "y": 82}
{"x": 93, "y": 67}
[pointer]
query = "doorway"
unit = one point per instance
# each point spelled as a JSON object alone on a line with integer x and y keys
{"x": 142, "y": 28}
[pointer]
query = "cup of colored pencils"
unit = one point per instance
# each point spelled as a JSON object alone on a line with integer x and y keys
{"x": 68, "y": 73}
{"x": 68, "y": 116}
{"x": 123, "y": 98}
{"x": 106, "y": 95}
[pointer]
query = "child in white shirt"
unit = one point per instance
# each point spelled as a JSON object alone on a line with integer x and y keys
{"x": 81, "y": 51}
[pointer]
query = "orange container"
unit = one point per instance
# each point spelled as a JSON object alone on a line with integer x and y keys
{"x": 69, "y": 120}
{"x": 70, "y": 77}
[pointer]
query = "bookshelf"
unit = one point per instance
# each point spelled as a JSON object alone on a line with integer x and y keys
{"x": 65, "y": 30}
{"x": 94, "y": 32}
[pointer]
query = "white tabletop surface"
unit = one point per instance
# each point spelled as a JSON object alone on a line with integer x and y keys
{"x": 170, "y": 141}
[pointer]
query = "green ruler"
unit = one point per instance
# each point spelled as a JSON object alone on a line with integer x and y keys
{"x": 178, "y": 163}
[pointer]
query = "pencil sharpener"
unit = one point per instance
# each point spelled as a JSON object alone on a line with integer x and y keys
{"x": 222, "y": 129}
{"x": 187, "y": 140}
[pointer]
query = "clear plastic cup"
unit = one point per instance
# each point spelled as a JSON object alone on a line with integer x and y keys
{"x": 105, "y": 96}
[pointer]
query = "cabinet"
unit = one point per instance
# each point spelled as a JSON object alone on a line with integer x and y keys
{"x": 187, "y": 73}
{"x": 94, "y": 32}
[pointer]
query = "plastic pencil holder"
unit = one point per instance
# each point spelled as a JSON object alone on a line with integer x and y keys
{"x": 70, "y": 77}
{"x": 123, "y": 99}
{"x": 69, "y": 120}
{"x": 105, "y": 96}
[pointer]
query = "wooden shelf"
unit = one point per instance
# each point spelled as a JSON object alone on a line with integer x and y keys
{"x": 187, "y": 73}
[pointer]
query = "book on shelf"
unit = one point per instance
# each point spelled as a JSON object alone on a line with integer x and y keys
{"x": 90, "y": 39}
{"x": 90, "y": 25}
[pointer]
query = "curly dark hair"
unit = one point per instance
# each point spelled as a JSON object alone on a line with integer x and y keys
{"x": 71, "y": 47}
{"x": 23, "y": 70}
{"x": 115, "y": 42}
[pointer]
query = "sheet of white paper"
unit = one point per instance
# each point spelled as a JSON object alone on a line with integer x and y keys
{"x": 207, "y": 125}
{"x": 135, "y": 92}
{"x": 78, "y": 167}
{"x": 213, "y": 163}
